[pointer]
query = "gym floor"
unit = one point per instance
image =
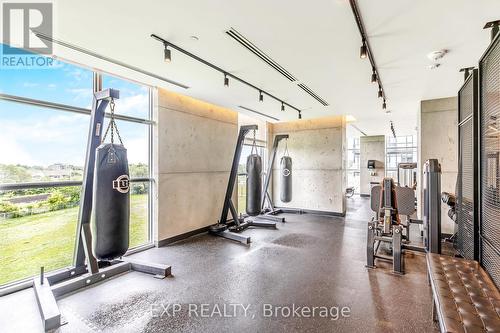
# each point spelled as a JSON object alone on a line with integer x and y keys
{"x": 310, "y": 261}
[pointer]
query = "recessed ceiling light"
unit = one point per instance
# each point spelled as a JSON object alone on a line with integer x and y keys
{"x": 436, "y": 55}
{"x": 194, "y": 38}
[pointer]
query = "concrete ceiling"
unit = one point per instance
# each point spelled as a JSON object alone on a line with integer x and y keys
{"x": 318, "y": 42}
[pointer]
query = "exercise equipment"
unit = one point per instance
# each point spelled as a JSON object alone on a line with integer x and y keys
{"x": 86, "y": 269}
{"x": 407, "y": 175}
{"x": 111, "y": 200}
{"x": 432, "y": 206}
{"x": 349, "y": 192}
{"x": 268, "y": 211}
{"x": 286, "y": 177}
{"x": 254, "y": 181}
{"x": 389, "y": 202}
{"x": 230, "y": 229}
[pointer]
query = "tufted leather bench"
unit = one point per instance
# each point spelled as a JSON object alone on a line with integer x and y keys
{"x": 465, "y": 297}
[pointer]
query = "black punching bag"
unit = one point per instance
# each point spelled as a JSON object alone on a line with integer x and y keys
{"x": 286, "y": 179}
{"x": 254, "y": 184}
{"x": 111, "y": 202}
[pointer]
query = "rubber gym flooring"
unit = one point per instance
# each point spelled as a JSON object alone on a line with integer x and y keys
{"x": 310, "y": 261}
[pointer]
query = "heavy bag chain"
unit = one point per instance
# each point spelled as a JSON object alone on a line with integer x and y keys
{"x": 286, "y": 153}
{"x": 254, "y": 144}
{"x": 112, "y": 125}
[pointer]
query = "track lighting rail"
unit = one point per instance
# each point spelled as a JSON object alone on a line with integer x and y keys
{"x": 224, "y": 72}
{"x": 366, "y": 51}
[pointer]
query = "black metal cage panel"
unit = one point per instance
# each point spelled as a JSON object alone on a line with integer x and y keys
{"x": 466, "y": 241}
{"x": 489, "y": 72}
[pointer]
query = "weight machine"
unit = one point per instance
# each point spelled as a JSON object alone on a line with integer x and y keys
{"x": 407, "y": 175}
{"x": 230, "y": 229}
{"x": 86, "y": 270}
{"x": 389, "y": 201}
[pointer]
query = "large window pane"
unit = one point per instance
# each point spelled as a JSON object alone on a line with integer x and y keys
{"x": 37, "y": 228}
{"x": 134, "y": 98}
{"x": 135, "y": 138}
{"x": 139, "y": 216}
{"x": 61, "y": 83}
{"x": 40, "y": 144}
{"x": 402, "y": 149}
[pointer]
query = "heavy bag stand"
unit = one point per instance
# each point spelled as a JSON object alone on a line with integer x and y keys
{"x": 230, "y": 229}
{"x": 269, "y": 212}
{"x": 86, "y": 270}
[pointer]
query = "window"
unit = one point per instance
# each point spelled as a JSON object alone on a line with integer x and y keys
{"x": 42, "y": 161}
{"x": 60, "y": 83}
{"x": 353, "y": 170}
{"x": 400, "y": 149}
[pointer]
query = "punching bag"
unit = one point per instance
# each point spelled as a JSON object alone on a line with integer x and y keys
{"x": 254, "y": 184}
{"x": 286, "y": 179}
{"x": 110, "y": 202}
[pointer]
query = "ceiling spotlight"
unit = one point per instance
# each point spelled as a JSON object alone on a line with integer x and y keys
{"x": 380, "y": 93}
{"x": 282, "y": 106}
{"x": 363, "y": 52}
{"x": 261, "y": 96}
{"x": 384, "y": 105}
{"x": 374, "y": 76}
{"x": 226, "y": 80}
{"x": 300, "y": 115}
{"x": 167, "y": 54}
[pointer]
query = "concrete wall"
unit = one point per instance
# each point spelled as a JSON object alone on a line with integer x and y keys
{"x": 371, "y": 148}
{"x": 194, "y": 150}
{"x": 438, "y": 135}
{"x": 318, "y": 150}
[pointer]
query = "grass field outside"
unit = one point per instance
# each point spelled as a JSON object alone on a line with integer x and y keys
{"x": 48, "y": 239}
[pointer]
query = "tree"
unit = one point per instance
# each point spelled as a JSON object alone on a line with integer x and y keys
{"x": 10, "y": 173}
{"x": 57, "y": 201}
{"x": 138, "y": 170}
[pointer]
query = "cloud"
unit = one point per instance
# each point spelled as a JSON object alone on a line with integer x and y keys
{"x": 137, "y": 105}
{"x": 57, "y": 138}
{"x": 51, "y": 85}
{"x": 137, "y": 150}
{"x": 13, "y": 152}
{"x": 30, "y": 84}
{"x": 80, "y": 94}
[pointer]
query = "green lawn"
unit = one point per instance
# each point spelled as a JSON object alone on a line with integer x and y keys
{"x": 48, "y": 239}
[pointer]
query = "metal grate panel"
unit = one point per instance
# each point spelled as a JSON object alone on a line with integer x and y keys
{"x": 466, "y": 100}
{"x": 466, "y": 241}
{"x": 490, "y": 261}
{"x": 490, "y": 148}
{"x": 465, "y": 197}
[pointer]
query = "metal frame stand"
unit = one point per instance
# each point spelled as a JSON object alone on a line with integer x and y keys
{"x": 269, "y": 212}
{"x": 230, "y": 229}
{"x": 87, "y": 270}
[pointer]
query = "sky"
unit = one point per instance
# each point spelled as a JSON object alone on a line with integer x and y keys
{"x": 39, "y": 136}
